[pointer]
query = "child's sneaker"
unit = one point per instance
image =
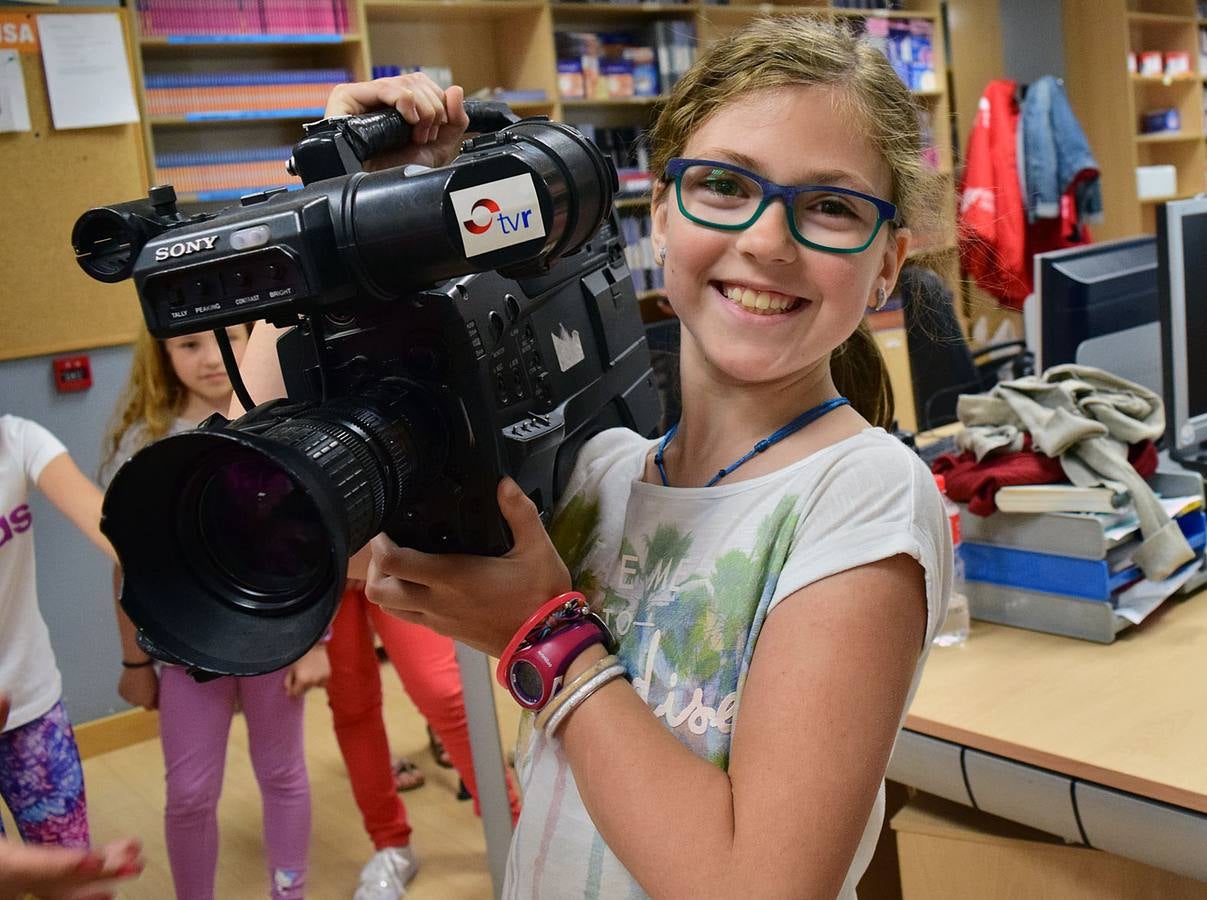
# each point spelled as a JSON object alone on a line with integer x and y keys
{"x": 387, "y": 874}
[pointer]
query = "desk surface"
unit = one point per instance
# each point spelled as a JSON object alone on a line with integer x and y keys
{"x": 1129, "y": 715}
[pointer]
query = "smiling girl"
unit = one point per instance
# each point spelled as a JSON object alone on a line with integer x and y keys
{"x": 174, "y": 385}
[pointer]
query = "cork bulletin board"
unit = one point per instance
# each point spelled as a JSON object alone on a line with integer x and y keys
{"x": 50, "y": 176}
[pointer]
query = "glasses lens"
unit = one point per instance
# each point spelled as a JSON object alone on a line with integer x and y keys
{"x": 719, "y": 196}
{"x": 261, "y": 529}
{"x": 834, "y": 220}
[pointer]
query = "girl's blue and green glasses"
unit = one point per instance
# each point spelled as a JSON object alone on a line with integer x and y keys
{"x": 725, "y": 196}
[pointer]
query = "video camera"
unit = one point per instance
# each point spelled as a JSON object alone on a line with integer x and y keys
{"x": 448, "y": 326}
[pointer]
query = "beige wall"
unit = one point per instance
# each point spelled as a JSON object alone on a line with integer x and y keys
{"x": 975, "y": 30}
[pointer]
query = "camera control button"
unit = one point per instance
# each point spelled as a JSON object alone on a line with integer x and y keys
{"x": 250, "y": 238}
{"x": 497, "y": 325}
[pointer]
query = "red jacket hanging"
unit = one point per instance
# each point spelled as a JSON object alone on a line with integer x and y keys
{"x": 992, "y": 221}
{"x": 996, "y": 242}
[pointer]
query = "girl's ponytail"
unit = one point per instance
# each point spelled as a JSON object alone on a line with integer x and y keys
{"x": 860, "y": 374}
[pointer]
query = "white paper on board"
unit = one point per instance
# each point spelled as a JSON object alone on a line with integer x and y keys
{"x": 87, "y": 71}
{"x": 14, "y": 105}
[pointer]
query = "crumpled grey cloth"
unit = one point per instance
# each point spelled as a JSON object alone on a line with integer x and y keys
{"x": 1086, "y": 417}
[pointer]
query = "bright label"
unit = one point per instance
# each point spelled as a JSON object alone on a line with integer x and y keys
{"x": 498, "y": 214}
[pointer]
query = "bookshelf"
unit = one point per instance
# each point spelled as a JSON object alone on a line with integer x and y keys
{"x": 1111, "y": 101}
{"x": 224, "y": 88}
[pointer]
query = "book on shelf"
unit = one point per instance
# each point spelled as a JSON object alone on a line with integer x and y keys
{"x": 1024, "y": 498}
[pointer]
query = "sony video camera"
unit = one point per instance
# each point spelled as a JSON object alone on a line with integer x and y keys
{"x": 448, "y": 326}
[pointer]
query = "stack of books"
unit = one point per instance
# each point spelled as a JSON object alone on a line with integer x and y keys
{"x": 1071, "y": 572}
{"x": 197, "y": 96}
{"x": 225, "y": 174}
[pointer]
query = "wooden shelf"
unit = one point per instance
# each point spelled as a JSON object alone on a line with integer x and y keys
{"x": 613, "y": 101}
{"x": 1165, "y": 199}
{"x": 1169, "y": 137}
{"x": 1147, "y": 18}
{"x": 1110, "y": 101}
{"x": 455, "y": 10}
{"x": 177, "y": 41}
{"x": 884, "y": 14}
{"x": 238, "y": 118}
{"x": 567, "y": 11}
{"x": 1166, "y": 80}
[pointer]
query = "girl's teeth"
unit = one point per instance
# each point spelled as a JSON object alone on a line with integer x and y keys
{"x": 758, "y": 301}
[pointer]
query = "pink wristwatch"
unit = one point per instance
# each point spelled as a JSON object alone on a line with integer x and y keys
{"x": 535, "y": 671}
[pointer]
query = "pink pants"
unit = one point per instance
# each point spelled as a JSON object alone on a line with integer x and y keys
{"x": 427, "y": 664}
{"x": 194, "y": 723}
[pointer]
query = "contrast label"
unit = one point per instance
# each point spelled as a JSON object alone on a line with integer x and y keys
{"x": 498, "y": 214}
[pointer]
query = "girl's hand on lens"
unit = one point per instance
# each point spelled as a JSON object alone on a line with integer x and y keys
{"x": 437, "y": 117}
{"x": 139, "y": 687}
{"x": 479, "y": 600}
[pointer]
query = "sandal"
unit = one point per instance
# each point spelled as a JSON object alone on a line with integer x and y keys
{"x": 438, "y": 752}
{"x": 407, "y": 775}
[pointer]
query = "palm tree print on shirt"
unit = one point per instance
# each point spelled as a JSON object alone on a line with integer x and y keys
{"x": 686, "y": 638}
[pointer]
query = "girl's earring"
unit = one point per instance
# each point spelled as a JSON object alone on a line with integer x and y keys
{"x": 881, "y": 299}
{"x": 662, "y": 255}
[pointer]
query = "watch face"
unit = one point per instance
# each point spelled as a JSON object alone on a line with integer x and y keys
{"x": 526, "y": 682}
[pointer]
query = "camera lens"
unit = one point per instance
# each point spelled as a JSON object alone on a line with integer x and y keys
{"x": 261, "y": 531}
{"x": 234, "y": 540}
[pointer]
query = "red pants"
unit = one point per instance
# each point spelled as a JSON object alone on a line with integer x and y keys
{"x": 427, "y": 665}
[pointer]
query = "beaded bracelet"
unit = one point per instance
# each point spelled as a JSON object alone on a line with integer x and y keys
{"x": 575, "y": 699}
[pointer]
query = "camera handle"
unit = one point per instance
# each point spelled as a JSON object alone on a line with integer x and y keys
{"x": 339, "y": 145}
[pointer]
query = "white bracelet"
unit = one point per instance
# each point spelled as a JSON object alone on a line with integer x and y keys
{"x": 580, "y": 694}
{"x": 565, "y": 690}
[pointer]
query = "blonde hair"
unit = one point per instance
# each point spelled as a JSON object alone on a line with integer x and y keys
{"x": 152, "y": 398}
{"x": 782, "y": 52}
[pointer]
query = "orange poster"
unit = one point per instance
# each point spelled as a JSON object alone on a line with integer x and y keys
{"x": 18, "y": 31}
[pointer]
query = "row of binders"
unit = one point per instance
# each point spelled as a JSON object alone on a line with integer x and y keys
{"x": 1071, "y": 573}
{"x": 199, "y": 96}
{"x": 248, "y": 19}
{"x": 226, "y": 174}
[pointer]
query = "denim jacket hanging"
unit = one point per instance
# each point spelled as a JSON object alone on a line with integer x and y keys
{"x": 1056, "y": 156}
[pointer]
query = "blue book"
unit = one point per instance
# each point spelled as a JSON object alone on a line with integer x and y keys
{"x": 1090, "y": 579}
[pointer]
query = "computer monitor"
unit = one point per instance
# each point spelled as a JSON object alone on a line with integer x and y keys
{"x": 1096, "y": 305}
{"x": 1182, "y": 277}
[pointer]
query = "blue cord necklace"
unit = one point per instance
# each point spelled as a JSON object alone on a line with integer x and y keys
{"x": 809, "y": 415}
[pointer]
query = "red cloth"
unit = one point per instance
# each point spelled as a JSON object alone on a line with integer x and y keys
{"x": 993, "y": 224}
{"x": 977, "y": 483}
{"x": 427, "y": 664}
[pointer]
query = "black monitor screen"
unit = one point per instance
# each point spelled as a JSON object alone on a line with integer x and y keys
{"x": 1194, "y": 260}
{"x": 1098, "y": 307}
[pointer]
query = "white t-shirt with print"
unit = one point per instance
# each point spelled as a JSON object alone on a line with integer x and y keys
{"x": 28, "y": 673}
{"x": 686, "y": 577}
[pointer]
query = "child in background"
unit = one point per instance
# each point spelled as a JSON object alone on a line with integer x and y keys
{"x": 41, "y": 779}
{"x": 62, "y": 871}
{"x": 174, "y": 385}
{"x": 426, "y": 664}
{"x": 772, "y": 569}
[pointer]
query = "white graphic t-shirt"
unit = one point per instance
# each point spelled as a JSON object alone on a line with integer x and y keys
{"x": 685, "y": 577}
{"x": 28, "y": 673}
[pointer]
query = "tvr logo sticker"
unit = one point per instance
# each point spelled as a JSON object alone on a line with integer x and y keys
{"x": 498, "y": 214}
